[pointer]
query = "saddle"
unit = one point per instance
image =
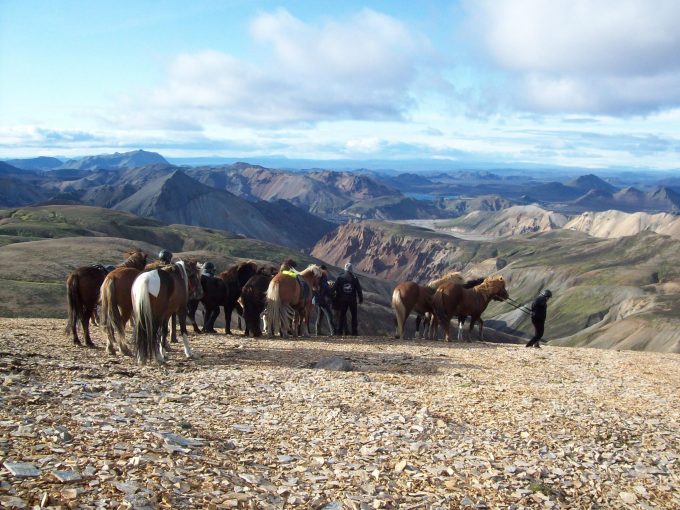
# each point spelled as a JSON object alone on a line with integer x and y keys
{"x": 103, "y": 269}
{"x": 304, "y": 288}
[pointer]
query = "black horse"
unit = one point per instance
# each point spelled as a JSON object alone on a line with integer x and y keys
{"x": 214, "y": 295}
{"x": 222, "y": 290}
{"x": 254, "y": 299}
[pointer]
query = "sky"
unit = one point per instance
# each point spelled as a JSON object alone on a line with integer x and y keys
{"x": 579, "y": 83}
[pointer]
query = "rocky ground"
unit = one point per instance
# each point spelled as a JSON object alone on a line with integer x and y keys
{"x": 414, "y": 425}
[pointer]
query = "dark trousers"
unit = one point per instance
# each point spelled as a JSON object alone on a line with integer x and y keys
{"x": 342, "y": 326}
{"x": 539, "y": 326}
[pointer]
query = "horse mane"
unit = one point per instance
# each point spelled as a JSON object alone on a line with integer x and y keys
{"x": 185, "y": 274}
{"x": 490, "y": 285}
{"x": 312, "y": 269}
{"x": 473, "y": 283}
{"x": 450, "y": 277}
{"x": 231, "y": 274}
{"x": 135, "y": 258}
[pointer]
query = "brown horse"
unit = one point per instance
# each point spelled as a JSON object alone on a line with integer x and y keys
{"x": 82, "y": 294}
{"x": 454, "y": 300}
{"x": 157, "y": 295}
{"x": 289, "y": 301}
{"x": 116, "y": 306}
{"x": 409, "y": 296}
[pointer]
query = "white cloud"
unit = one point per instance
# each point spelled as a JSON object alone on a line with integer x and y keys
{"x": 594, "y": 56}
{"x": 357, "y": 68}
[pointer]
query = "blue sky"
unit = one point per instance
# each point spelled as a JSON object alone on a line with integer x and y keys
{"x": 591, "y": 84}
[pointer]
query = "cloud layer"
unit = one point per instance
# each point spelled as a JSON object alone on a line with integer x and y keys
{"x": 594, "y": 56}
{"x": 357, "y": 68}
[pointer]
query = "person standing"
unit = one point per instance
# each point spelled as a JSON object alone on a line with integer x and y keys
{"x": 322, "y": 301}
{"x": 347, "y": 290}
{"x": 539, "y": 309}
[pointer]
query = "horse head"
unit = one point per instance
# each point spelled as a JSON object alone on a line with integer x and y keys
{"x": 495, "y": 288}
{"x": 245, "y": 270}
{"x": 136, "y": 258}
{"x": 315, "y": 273}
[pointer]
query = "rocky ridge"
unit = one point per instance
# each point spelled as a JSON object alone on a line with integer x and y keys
{"x": 414, "y": 425}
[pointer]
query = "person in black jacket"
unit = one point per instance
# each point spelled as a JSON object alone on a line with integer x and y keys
{"x": 539, "y": 309}
{"x": 346, "y": 291}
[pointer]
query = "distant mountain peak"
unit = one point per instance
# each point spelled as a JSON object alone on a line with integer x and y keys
{"x": 591, "y": 181}
{"x": 132, "y": 159}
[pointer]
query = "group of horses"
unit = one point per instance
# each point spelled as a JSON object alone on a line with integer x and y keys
{"x": 152, "y": 294}
{"x": 443, "y": 299}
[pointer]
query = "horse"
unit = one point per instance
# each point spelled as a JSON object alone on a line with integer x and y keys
{"x": 429, "y": 320}
{"x": 452, "y": 299}
{"x": 254, "y": 300}
{"x": 214, "y": 295}
{"x": 156, "y": 296}
{"x": 235, "y": 278}
{"x": 409, "y": 296}
{"x": 289, "y": 301}
{"x": 82, "y": 294}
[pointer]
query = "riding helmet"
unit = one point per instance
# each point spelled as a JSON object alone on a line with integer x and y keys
{"x": 209, "y": 268}
{"x": 165, "y": 256}
{"x": 547, "y": 293}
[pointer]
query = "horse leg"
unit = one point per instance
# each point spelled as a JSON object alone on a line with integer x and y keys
{"x": 481, "y": 328}
{"x": 471, "y": 329}
{"x": 419, "y": 320}
{"x": 209, "y": 319}
{"x": 192, "y": 306}
{"x": 173, "y": 338}
{"x": 164, "y": 335}
{"x": 122, "y": 344}
{"x": 228, "y": 309}
{"x": 461, "y": 324}
{"x": 185, "y": 337}
{"x": 85, "y": 321}
{"x": 110, "y": 341}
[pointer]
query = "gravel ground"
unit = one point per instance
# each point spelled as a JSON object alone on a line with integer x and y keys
{"x": 414, "y": 425}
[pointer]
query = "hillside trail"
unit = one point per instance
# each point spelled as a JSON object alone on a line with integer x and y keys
{"x": 415, "y": 424}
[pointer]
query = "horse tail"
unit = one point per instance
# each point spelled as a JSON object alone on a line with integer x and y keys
{"x": 145, "y": 343}
{"x": 439, "y": 308}
{"x": 399, "y": 312}
{"x": 75, "y": 305}
{"x": 111, "y": 318}
{"x": 273, "y": 310}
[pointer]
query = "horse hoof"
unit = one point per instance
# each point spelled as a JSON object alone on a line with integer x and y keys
{"x": 90, "y": 345}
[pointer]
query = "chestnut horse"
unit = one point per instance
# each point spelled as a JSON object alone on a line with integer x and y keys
{"x": 156, "y": 295}
{"x": 116, "y": 305}
{"x": 409, "y": 296}
{"x": 429, "y": 320}
{"x": 82, "y": 294}
{"x": 454, "y": 300}
{"x": 289, "y": 301}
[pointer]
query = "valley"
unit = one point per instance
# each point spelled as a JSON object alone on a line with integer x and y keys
{"x": 613, "y": 272}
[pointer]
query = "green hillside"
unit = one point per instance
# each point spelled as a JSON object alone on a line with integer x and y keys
{"x": 39, "y": 246}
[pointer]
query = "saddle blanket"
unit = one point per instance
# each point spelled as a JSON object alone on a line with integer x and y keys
{"x": 154, "y": 283}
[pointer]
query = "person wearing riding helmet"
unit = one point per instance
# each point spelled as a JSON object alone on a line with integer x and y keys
{"x": 209, "y": 269}
{"x": 165, "y": 256}
{"x": 345, "y": 292}
{"x": 539, "y": 310}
